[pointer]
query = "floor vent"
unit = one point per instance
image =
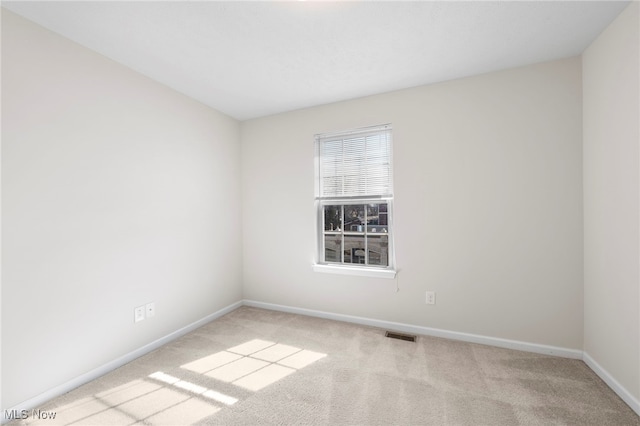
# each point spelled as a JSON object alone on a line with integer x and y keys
{"x": 401, "y": 336}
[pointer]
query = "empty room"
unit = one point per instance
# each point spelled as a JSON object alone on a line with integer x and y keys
{"x": 315, "y": 212}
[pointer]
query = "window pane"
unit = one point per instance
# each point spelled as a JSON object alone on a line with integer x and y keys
{"x": 383, "y": 218}
{"x": 354, "y": 218}
{"x": 379, "y": 250}
{"x": 332, "y": 218}
{"x": 354, "y": 249}
{"x": 372, "y": 214}
{"x": 332, "y": 248}
{"x": 372, "y": 218}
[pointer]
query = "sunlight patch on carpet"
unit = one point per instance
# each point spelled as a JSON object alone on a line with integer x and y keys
{"x": 220, "y": 397}
{"x": 187, "y": 412}
{"x": 250, "y": 347}
{"x": 264, "y": 377}
{"x": 192, "y": 387}
{"x": 301, "y": 359}
{"x": 233, "y": 371}
{"x": 254, "y": 364}
{"x": 210, "y": 362}
{"x": 276, "y": 352}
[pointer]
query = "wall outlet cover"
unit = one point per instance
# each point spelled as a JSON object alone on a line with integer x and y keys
{"x": 431, "y": 298}
{"x": 138, "y": 314}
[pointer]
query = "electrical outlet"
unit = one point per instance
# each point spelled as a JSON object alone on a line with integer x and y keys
{"x": 138, "y": 314}
{"x": 151, "y": 309}
{"x": 431, "y": 298}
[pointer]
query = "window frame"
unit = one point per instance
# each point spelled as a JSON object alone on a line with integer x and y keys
{"x": 349, "y": 268}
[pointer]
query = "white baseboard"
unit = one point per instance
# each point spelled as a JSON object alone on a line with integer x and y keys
{"x": 119, "y": 362}
{"x": 414, "y": 329}
{"x": 622, "y": 392}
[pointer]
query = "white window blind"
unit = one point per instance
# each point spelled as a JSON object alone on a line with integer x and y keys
{"x": 355, "y": 164}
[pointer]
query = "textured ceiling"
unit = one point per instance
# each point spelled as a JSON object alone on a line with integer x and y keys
{"x": 251, "y": 59}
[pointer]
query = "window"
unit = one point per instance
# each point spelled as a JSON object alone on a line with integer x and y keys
{"x": 354, "y": 195}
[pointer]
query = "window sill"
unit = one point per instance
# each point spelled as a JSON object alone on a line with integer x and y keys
{"x": 362, "y": 272}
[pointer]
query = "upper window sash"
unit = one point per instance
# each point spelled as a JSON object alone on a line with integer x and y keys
{"x": 355, "y": 164}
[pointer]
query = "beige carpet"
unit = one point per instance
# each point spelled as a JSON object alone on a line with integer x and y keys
{"x": 258, "y": 367}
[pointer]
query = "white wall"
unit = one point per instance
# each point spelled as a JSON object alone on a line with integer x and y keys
{"x": 488, "y": 208}
{"x": 611, "y": 201}
{"x": 116, "y": 191}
